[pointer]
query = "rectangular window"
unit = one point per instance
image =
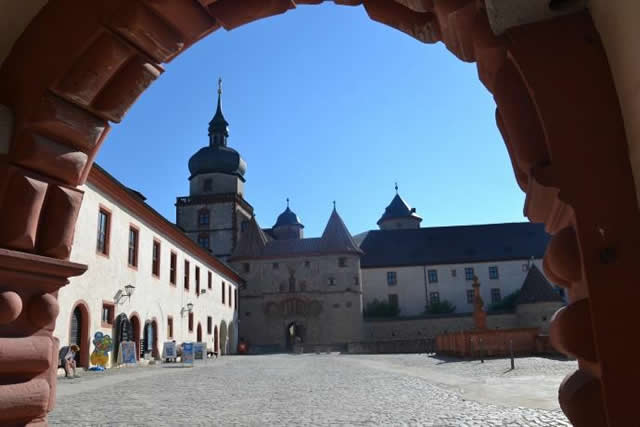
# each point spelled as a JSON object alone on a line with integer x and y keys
{"x": 453, "y": 272}
{"x": 207, "y": 185}
{"x": 356, "y": 281}
{"x": 190, "y": 322}
{"x": 342, "y": 262}
{"x": 230, "y": 295}
{"x": 470, "y": 295}
{"x": 392, "y": 278}
{"x": 224, "y": 288}
{"x": 393, "y": 300}
{"x": 434, "y": 297}
{"x": 197, "y": 281}
{"x": 173, "y": 268}
{"x": 209, "y": 280}
{"x": 331, "y": 281}
{"x": 244, "y": 225}
{"x": 495, "y": 295}
{"x": 209, "y": 323}
{"x": 468, "y": 273}
{"x": 104, "y": 228}
{"x": 169, "y": 327}
{"x": 433, "y": 276}
{"x": 186, "y": 274}
{"x": 307, "y": 264}
{"x": 276, "y": 265}
{"x": 108, "y": 310}
{"x": 235, "y": 299}
{"x": 246, "y": 267}
{"x": 203, "y": 217}
{"x": 203, "y": 241}
{"x": 493, "y": 272}
{"x": 155, "y": 258}
{"x": 133, "y": 247}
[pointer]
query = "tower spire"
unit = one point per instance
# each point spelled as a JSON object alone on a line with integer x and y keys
{"x": 396, "y": 187}
{"x": 218, "y": 126}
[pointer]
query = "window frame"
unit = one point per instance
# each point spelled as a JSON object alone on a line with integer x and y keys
{"x": 207, "y": 185}
{"x": 433, "y": 279}
{"x": 209, "y": 280}
{"x": 246, "y": 267}
{"x": 493, "y": 293}
{"x": 230, "y": 294}
{"x": 204, "y": 217}
{"x": 224, "y": 289}
{"x": 197, "y": 274}
{"x": 173, "y": 268}
{"x": 395, "y": 297}
{"x": 331, "y": 281}
{"x": 187, "y": 267}
{"x": 169, "y": 327}
{"x": 468, "y": 270}
{"x": 136, "y": 247}
{"x": 392, "y": 278}
{"x": 209, "y": 325}
{"x": 492, "y": 269}
{"x": 155, "y": 263}
{"x": 111, "y": 306}
{"x": 342, "y": 262}
{"x": 470, "y": 292}
{"x": 434, "y": 295}
{"x": 190, "y": 321}
{"x": 204, "y": 237}
{"x": 103, "y": 210}
{"x": 275, "y": 266}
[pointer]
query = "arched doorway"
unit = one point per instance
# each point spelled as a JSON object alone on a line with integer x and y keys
{"x": 294, "y": 334}
{"x": 135, "y": 327}
{"x": 223, "y": 338}
{"x": 232, "y": 339}
{"x": 149, "y": 343}
{"x": 79, "y": 332}
{"x": 199, "y": 333}
{"x": 215, "y": 339}
{"x": 122, "y": 331}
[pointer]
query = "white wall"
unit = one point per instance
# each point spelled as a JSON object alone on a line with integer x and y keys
{"x": 154, "y": 298}
{"x": 410, "y": 286}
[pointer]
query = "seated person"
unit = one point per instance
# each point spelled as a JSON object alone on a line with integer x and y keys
{"x": 67, "y": 356}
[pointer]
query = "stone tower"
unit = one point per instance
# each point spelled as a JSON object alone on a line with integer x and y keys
{"x": 215, "y": 212}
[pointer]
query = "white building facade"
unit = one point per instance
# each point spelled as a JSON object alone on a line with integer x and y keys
{"x": 145, "y": 273}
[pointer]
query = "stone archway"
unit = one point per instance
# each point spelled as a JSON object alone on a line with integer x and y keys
{"x": 232, "y": 339}
{"x": 80, "y": 65}
{"x": 79, "y": 332}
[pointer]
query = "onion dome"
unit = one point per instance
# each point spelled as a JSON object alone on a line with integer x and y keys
{"x": 217, "y": 157}
{"x": 288, "y": 218}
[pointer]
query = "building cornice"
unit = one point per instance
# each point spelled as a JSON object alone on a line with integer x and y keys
{"x": 106, "y": 183}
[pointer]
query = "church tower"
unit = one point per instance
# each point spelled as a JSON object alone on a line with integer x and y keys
{"x": 215, "y": 212}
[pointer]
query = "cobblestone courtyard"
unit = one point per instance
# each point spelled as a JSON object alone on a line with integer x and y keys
{"x": 329, "y": 389}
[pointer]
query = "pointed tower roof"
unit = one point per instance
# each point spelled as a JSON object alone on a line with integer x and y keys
{"x": 536, "y": 288}
{"x": 398, "y": 208}
{"x": 218, "y": 124}
{"x": 252, "y": 242}
{"x": 336, "y": 237}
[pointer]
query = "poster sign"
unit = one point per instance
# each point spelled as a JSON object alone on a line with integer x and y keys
{"x": 199, "y": 351}
{"x": 187, "y": 353}
{"x": 127, "y": 353}
{"x": 169, "y": 350}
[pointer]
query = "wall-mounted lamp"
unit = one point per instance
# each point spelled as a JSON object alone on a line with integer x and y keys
{"x": 126, "y": 292}
{"x": 188, "y": 308}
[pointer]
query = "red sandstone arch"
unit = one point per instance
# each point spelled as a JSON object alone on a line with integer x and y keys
{"x": 85, "y": 337}
{"x": 80, "y": 65}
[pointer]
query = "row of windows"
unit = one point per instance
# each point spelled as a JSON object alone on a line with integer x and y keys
{"x": 434, "y": 297}
{"x": 102, "y": 246}
{"x": 432, "y": 275}
{"x": 246, "y": 267}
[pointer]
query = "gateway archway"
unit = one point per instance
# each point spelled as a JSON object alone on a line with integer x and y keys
{"x": 79, "y": 332}
{"x": 79, "y": 66}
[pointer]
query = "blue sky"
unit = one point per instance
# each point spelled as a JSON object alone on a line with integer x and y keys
{"x": 325, "y": 104}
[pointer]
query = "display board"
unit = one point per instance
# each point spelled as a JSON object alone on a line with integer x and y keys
{"x": 187, "y": 353}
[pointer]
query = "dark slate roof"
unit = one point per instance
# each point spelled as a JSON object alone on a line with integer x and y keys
{"x": 217, "y": 158}
{"x": 288, "y": 217}
{"x": 398, "y": 208}
{"x": 292, "y": 247}
{"x": 453, "y": 245}
{"x": 536, "y": 288}
{"x": 336, "y": 237}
